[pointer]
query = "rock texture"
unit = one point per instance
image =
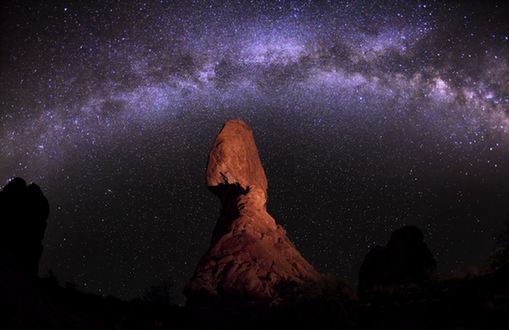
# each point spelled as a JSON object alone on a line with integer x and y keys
{"x": 250, "y": 257}
{"x": 406, "y": 260}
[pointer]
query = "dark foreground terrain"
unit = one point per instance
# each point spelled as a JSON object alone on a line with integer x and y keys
{"x": 477, "y": 302}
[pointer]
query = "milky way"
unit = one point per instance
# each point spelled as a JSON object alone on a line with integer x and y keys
{"x": 367, "y": 116}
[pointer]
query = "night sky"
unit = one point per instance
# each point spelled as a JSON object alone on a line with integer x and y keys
{"x": 367, "y": 117}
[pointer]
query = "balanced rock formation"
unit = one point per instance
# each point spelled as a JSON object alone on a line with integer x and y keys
{"x": 250, "y": 257}
{"x": 406, "y": 260}
{"x": 23, "y": 214}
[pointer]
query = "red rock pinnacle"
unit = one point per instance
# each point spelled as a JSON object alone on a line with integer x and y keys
{"x": 250, "y": 256}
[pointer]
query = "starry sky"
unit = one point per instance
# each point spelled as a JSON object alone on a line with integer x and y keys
{"x": 367, "y": 115}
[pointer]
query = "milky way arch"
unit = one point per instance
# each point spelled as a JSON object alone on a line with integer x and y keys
{"x": 92, "y": 95}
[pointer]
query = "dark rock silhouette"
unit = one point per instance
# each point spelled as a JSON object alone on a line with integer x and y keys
{"x": 405, "y": 260}
{"x": 23, "y": 214}
{"x": 250, "y": 257}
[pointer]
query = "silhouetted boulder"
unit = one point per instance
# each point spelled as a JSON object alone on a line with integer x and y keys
{"x": 250, "y": 257}
{"x": 405, "y": 260}
{"x": 23, "y": 214}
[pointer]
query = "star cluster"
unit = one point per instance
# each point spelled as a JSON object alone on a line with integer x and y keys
{"x": 367, "y": 115}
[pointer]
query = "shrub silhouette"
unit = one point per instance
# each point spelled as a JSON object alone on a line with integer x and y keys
{"x": 160, "y": 295}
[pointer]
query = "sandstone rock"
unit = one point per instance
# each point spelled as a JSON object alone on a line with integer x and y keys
{"x": 250, "y": 257}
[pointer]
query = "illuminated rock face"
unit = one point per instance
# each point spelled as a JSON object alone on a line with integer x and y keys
{"x": 250, "y": 257}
